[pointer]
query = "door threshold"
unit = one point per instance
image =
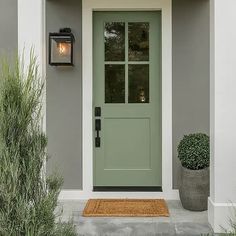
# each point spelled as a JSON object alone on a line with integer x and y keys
{"x": 127, "y": 189}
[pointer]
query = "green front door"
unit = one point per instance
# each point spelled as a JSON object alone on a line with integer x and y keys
{"x": 127, "y": 99}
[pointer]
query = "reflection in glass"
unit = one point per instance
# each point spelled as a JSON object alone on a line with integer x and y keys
{"x": 114, "y": 83}
{"x": 138, "y": 41}
{"x": 61, "y": 49}
{"x": 138, "y": 83}
{"x": 114, "y": 41}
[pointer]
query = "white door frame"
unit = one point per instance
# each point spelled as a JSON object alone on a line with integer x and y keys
{"x": 38, "y": 40}
{"x": 88, "y": 6}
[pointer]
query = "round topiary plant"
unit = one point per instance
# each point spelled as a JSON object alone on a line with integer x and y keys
{"x": 194, "y": 151}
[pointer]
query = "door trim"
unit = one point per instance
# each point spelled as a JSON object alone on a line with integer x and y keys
{"x": 88, "y": 6}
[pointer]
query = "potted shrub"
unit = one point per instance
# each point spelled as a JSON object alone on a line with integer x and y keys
{"x": 194, "y": 154}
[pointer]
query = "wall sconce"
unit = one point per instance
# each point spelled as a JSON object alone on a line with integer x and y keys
{"x": 61, "y": 48}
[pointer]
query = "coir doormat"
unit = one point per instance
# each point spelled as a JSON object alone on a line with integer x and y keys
{"x": 126, "y": 208}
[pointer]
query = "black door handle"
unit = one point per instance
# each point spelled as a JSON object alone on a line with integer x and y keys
{"x": 97, "y": 142}
{"x": 98, "y": 125}
{"x": 97, "y": 129}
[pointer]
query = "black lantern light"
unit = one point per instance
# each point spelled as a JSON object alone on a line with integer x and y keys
{"x": 61, "y": 48}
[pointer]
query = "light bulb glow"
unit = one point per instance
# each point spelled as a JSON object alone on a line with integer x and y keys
{"x": 63, "y": 48}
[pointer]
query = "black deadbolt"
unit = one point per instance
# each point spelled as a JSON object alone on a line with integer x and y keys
{"x": 98, "y": 111}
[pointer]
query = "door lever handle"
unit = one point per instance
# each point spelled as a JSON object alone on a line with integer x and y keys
{"x": 98, "y": 125}
{"x": 97, "y": 142}
{"x": 97, "y": 129}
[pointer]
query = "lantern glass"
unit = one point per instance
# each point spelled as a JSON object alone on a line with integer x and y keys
{"x": 61, "y": 50}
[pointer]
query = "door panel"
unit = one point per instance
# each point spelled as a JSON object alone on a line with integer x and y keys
{"x": 127, "y": 153}
{"x": 127, "y": 87}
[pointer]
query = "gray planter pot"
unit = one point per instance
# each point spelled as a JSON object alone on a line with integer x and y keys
{"x": 194, "y": 189}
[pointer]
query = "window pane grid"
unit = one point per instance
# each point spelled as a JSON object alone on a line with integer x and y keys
{"x": 128, "y": 84}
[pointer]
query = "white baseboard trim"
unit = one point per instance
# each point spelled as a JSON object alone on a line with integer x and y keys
{"x": 83, "y": 195}
{"x": 219, "y": 215}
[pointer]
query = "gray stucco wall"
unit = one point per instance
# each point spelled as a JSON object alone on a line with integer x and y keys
{"x": 191, "y": 108}
{"x": 8, "y": 27}
{"x": 64, "y": 98}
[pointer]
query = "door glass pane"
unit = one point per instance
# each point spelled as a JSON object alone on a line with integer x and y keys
{"x": 138, "y": 83}
{"x": 114, "y": 41}
{"x": 138, "y": 41}
{"x": 114, "y": 83}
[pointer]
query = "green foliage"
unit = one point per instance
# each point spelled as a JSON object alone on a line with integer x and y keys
{"x": 27, "y": 199}
{"x": 194, "y": 151}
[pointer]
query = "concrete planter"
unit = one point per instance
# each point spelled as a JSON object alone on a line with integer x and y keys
{"x": 194, "y": 189}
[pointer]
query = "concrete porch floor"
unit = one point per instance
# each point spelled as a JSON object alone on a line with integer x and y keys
{"x": 181, "y": 222}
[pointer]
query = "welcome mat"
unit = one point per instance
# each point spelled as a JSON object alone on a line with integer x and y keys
{"x": 126, "y": 208}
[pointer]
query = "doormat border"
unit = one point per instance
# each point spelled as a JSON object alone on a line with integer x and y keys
{"x": 92, "y": 207}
